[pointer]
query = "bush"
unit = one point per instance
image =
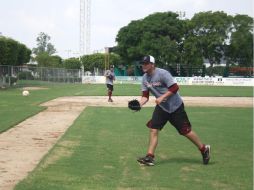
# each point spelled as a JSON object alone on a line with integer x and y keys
{"x": 11, "y": 80}
{"x": 216, "y": 71}
{"x": 25, "y": 75}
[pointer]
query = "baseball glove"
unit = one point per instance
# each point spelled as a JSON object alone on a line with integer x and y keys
{"x": 134, "y": 105}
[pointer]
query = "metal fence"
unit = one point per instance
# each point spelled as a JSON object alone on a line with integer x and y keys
{"x": 12, "y": 75}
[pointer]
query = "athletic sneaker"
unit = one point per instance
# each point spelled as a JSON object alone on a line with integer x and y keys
{"x": 110, "y": 100}
{"x": 147, "y": 160}
{"x": 206, "y": 154}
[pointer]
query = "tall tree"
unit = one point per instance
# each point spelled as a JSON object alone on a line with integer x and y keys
{"x": 159, "y": 34}
{"x": 129, "y": 38}
{"x": 43, "y": 45}
{"x": 191, "y": 55}
{"x": 3, "y": 50}
{"x": 240, "y": 49}
{"x": 72, "y": 63}
{"x": 97, "y": 60}
{"x": 45, "y": 60}
{"x": 23, "y": 54}
{"x": 211, "y": 30}
{"x": 13, "y": 53}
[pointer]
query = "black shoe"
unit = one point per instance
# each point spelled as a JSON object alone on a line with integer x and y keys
{"x": 147, "y": 160}
{"x": 206, "y": 154}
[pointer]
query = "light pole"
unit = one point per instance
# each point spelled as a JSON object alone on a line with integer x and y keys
{"x": 181, "y": 14}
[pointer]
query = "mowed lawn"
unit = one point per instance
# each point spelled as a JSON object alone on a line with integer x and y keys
{"x": 15, "y": 108}
{"x": 99, "y": 151}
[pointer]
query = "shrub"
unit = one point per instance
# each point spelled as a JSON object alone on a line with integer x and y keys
{"x": 25, "y": 75}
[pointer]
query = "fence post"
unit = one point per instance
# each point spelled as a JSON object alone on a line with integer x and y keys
{"x": 9, "y": 73}
{"x": 203, "y": 71}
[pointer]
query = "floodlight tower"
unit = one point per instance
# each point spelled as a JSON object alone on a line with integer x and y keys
{"x": 85, "y": 27}
{"x": 182, "y": 14}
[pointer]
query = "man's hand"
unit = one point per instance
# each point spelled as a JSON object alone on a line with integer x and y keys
{"x": 159, "y": 100}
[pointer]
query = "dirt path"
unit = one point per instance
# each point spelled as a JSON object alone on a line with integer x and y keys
{"x": 22, "y": 147}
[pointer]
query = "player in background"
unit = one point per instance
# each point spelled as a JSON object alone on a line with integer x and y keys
{"x": 169, "y": 107}
{"x": 110, "y": 77}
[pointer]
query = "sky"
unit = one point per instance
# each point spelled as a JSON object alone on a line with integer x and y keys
{"x": 23, "y": 20}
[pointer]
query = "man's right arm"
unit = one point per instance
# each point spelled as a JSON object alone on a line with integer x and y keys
{"x": 145, "y": 91}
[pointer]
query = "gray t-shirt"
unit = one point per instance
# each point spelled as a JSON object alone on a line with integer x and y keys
{"x": 110, "y": 75}
{"x": 158, "y": 84}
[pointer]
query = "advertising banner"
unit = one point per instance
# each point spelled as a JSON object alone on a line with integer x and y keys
{"x": 205, "y": 81}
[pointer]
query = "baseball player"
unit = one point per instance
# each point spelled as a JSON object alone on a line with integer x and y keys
{"x": 110, "y": 77}
{"x": 169, "y": 107}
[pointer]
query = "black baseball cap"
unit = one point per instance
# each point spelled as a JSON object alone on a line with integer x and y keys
{"x": 148, "y": 59}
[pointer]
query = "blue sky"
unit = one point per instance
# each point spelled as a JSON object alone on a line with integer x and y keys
{"x": 23, "y": 20}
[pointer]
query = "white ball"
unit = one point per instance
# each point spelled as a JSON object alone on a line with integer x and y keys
{"x": 25, "y": 93}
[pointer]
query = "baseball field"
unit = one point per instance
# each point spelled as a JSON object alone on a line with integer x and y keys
{"x": 70, "y": 137}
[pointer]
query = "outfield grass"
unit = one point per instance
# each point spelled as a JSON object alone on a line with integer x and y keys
{"x": 99, "y": 152}
{"x": 14, "y": 108}
{"x": 134, "y": 89}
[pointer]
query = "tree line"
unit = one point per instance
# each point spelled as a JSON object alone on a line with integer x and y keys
{"x": 214, "y": 36}
{"x": 172, "y": 40}
{"x": 13, "y": 52}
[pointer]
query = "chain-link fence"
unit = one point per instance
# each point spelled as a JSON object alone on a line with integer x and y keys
{"x": 18, "y": 75}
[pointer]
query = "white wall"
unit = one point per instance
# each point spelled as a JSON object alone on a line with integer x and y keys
{"x": 206, "y": 81}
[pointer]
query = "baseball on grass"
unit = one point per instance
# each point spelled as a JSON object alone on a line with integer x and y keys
{"x": 25, "y": 93}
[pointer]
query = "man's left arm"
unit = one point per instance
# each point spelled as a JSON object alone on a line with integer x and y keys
{"x": 172, "y": 86}
{"x": 171, "y": 90}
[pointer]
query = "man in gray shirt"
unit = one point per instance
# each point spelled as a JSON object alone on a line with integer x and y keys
{"x": 169, "y": 107}
{"x": 110, "y": 77}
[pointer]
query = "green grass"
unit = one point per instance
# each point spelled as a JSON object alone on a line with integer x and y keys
{"x": 134, "y": 89}
{"x": 14, "y": 108}
{"x": 217, "y": 91}
{"x": 99, "y": 152}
